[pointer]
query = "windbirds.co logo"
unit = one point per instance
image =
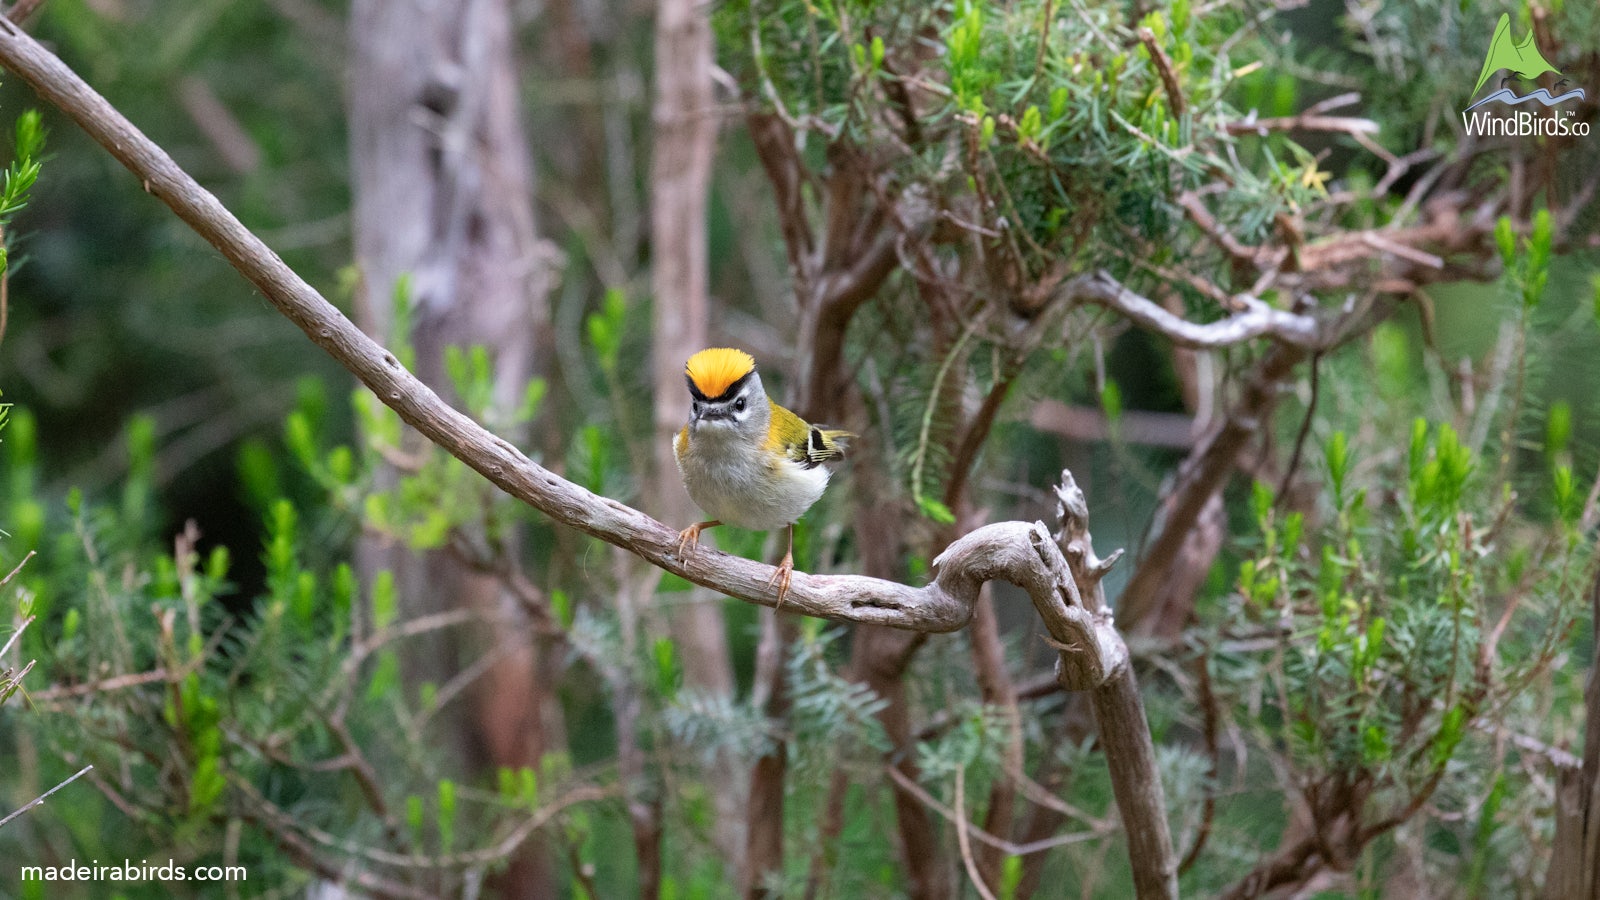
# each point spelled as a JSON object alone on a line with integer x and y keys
{"x": 1523, "y": 60}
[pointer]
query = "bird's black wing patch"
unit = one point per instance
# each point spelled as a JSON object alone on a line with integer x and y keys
{"x": 818, "y": 449}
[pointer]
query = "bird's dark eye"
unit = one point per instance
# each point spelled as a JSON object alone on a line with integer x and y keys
{"x": 738, "y": 405}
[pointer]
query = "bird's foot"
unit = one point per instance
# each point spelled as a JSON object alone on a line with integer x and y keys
{"x": 690, "y": 537}
{"x": 782, "y": 576}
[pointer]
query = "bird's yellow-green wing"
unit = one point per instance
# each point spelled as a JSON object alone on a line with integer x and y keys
{"x": 808, "y": 445}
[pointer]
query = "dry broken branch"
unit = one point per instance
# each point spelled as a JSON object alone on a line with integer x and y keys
{"x": 1259, "y": 319}
{"x": 1119, "y": 716}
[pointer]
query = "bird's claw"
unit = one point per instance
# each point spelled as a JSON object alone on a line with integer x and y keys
{"x": 782, "y": 576}
{"x": 689, "y": 537}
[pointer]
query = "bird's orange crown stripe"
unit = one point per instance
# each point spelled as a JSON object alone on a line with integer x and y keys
{"x": 715, "y": 370}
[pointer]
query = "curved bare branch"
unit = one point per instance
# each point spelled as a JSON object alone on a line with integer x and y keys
{"x": 1013, "y": 551}
{"x": 1259, "y": 319}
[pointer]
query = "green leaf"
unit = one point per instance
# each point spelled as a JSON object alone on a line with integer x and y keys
{"x": 1568, "y": 502}
{"x": 1483, "y": 839}
{"x": 297, "y": 435}
{"x": 528, "y": 787}
{"x": 1028, "y": 128}
{"x": 414, "y": 820}
{"x": 1557, "y": 428}
{"x": 1336, "y": 454}
{"x": 561, "y": 607}
{"x": 1058, "y": 108}
{"x": 341, "y": 465}
{"x": 665, "y": 655}
{"x": 1180, "y": 16}
{"x": 385, "y": 676}
{"x": 1506, "y": 239}
{"x": 343, "y": 589}
{"x": 532, "y": 397}
{"x": 1374, "y": 745}
{"x": 304, "y": 606}
{"x": 257, "y": 472}
{"x": 384, "y": 602}
{"x": 1261, "y": 498}
{"x": 1010, "y": 877}
{"x": 605, "y": 329}
{"x": 1417, "y": 457}
{"x": 1451, "y": 730}
{"x": 936, "y": 510}
{"x": 1111, "y": 401}
{"x": 205, "y": 786}
{"x": 447, "y": 814}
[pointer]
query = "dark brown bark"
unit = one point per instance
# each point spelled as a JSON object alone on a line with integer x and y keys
{"x": 1575, "y": 858}
{"x": 997, "y": 689}
{"x": 680, "y": 175}
{"x": 1200, "y": 478}
{"x": 831, "y": 282}
{"x": 442, "y": 191}
{"x": 880, "y": 660}
{"x": 763, "y": 850}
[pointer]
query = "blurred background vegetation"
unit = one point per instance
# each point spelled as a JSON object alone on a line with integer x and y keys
{"x": 1374, "y": 642}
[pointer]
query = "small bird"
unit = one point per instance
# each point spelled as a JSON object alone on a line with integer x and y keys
{"x": 745, "y": 460}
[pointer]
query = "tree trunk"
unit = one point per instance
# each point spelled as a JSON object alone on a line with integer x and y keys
{"x": 1575, "y": 858}
{"x": 442, "y": 191}
{"x": 680, "y": 176}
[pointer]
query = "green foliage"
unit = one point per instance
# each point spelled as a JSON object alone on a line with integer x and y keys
{"x": 20, "y": 176}
{"x": 255, "y": 698}
{"x": 1382, "y": 649}
{"x": 1351, "y": 626}
{"x": 1417, "y": 602}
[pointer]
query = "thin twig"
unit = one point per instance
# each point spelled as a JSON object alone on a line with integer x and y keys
{"x": 22, "y": 9}
{"x": 1046, "y": 22}
{"x": 115, "y": 683}
{"x": 1208, "y": 715}
{"x": 39, "y": 800}
{"x": 1011, "y": 849}
{"x": 1347, "y": 125}
{"x": 15, "y": 635}
{"x": 1163, "y": 64}
{"x": 962, "y": 825}
{"x": 487, "y": 855}
{"x": 1304, "y": 432}
{"x": 31, "y": 553}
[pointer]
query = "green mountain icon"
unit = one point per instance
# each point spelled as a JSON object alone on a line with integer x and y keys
{"x": 1504, "y": 53}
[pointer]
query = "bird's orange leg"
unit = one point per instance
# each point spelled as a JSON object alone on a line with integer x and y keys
{"x": 690, "y": 537}
{"x": 784, "y": 573}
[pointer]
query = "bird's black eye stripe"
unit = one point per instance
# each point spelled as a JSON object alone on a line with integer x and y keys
{"x": 694, "y": 390}
{"x": 816, "y": 441}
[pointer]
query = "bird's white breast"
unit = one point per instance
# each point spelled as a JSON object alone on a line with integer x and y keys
{"x": 746, "y": 486}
